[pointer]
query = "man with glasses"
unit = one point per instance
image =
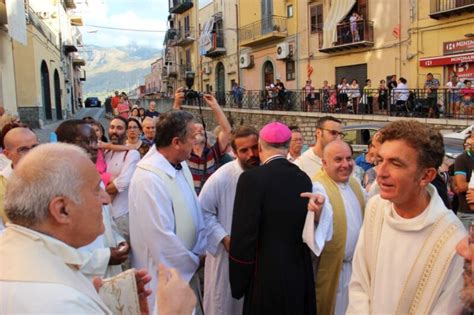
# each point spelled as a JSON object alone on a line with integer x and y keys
{"x": 296, "y": 144}
{"x": 17, "y": 143}
{"x": 328, "y": 129}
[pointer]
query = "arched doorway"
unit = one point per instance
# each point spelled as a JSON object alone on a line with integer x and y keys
{"x": 268, "y": 73}
{"x": 46, "y": 91}
{"x": 57, "y": 96}
{"x": 220, "y": 83}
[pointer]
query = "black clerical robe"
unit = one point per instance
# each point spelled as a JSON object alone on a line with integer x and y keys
{"x": 268, "y": 263}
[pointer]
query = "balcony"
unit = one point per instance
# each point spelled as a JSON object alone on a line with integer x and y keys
{"x": 183, "y": 68}
{"x": 176, "y": 37}
{"x": 446, "y": 8}
{"x": 217, "y": 49}
{"x": 180, "y": 6}
{"x": 266, "y": 30}
{"x": 365, "y": 29}
{"x": 169, "y": 71}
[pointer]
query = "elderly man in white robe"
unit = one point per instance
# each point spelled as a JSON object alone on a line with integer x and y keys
{"x": 217, "y": 203}
{"x": 347, "y": 200}
{"x": 405, "y": 260}
{"x": 166, "y": 222}
{"x": 53, "y": 209}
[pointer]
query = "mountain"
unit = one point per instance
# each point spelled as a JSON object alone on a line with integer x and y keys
{"x": 116, "y": 68}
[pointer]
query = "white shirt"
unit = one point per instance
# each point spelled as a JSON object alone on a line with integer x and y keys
{"x": 152, "y": 222}
{"x": 309, "y": 163}
{"x": 401, "y": 92}
{"x": 4, "y": 161}
{"x": 121, "y": 165}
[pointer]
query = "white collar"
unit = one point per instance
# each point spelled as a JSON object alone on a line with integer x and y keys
{"x": 156, "y": 159}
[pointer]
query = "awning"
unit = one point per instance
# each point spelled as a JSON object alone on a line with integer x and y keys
{"x": 337, "y": 12}
{"x": 446, "y": 60}
{"x": 78, "y": 62}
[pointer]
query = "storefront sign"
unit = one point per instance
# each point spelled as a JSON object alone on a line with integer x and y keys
{"x": 459, "y": 46}
{"x": 464, "y": 71}
{"x": 446, "y": 60}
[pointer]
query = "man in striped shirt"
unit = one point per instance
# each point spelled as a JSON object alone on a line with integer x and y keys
{"x": 205, "y": 158}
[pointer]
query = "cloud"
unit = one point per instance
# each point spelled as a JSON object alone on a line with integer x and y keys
{"x": 139, "y": 15}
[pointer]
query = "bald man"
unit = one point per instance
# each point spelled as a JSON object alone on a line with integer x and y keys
{"x": 347, "y": 199}
{"x": 149, "y": 130}
{"x": 17, "y": 142}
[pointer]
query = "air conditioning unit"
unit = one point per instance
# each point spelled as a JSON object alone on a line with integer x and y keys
{"x": 283, "y": 50}
{"x": 207, "y": 69}
{"x": 245, "y": 61}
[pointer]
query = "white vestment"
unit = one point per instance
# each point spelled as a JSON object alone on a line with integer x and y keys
{"x": 44, "y": 276}
{"x": 217, "y": 203}
{"x": 407, "y": 249}
{"x": 152, "y": 221}
{"x": 309, "y": 163}
{"x": 98, "y": 264}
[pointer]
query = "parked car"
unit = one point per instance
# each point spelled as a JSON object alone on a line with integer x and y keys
{"x": 93, "y": 102}
{"x": 358, "y": 137}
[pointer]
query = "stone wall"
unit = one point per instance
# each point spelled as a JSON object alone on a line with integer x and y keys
{"x": 307, "y": 121}
{"x": 33, "y": 116}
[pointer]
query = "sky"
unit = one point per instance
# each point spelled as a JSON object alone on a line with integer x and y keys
{"x": 125, "y": 14}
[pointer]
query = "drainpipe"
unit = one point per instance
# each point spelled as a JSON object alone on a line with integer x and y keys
{"x": 238, "y": 42}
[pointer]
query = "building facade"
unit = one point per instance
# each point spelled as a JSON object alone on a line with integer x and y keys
{"x": 46, "y": 68}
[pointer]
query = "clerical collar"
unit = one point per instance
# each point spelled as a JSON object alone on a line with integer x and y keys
{"x": 177, "y": 167}
{"x": 273, "y": 157}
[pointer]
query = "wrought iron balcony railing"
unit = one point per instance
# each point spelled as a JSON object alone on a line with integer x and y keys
{"x": 446, "y": 8}
{"x": 269, "y": 28}
{"x": 346, "y": 39}
{"x": 180, "y": 6}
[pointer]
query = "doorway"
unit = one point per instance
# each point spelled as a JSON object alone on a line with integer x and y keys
{"x": 220, "y": 84}
{"x": 57, "y": 96}
{"x": 46, "y": 91}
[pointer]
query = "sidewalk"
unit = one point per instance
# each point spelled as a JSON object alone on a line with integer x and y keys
{"x": 44, "y": 133}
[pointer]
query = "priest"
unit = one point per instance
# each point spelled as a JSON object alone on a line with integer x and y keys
{"x": 405, "y": 260}
{"x": 347, "y": 201}
{"x": 269, "y": 263}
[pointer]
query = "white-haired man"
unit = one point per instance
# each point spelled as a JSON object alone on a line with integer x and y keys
{"x": 53, "y": 209}
{"x": 151, "y": 111}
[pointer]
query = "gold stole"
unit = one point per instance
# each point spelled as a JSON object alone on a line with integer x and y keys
{"x": 330, "y": 261}
{"x": 185, "y": 227}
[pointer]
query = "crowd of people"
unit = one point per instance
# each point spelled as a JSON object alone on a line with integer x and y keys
{"x": 237, "y": 221}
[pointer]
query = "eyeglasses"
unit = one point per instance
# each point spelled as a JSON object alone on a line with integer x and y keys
{"x": 24, "y": 150}
{"x": 335, "y": 133}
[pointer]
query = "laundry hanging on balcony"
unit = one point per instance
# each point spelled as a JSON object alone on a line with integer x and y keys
{"x": 337, "y": 12}
{"x": 205, "y": 41}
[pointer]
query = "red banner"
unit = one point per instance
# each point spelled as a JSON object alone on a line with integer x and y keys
{"x": 446, "y": 60}
{"x": 464, "y": 71}
{"x": 458, "y": 46}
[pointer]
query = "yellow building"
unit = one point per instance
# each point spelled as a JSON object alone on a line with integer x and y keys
{"x": 268, "y": 43}
{"x": 181, "y": 53}
{"x": 389, "y": 37}
{"x": 7, "y": 85}
{"x": 218, "y": 47}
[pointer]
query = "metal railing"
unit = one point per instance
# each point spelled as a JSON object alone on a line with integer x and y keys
{"x": 442, "y": 103}
{"x": 180, "y": 6}
{"x": 449, "y": 5}
{"x": 262, "y": 27}
{"x": 363, "y": 32}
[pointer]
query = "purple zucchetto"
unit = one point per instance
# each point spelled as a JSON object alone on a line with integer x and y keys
{"x": 275, "y": 133}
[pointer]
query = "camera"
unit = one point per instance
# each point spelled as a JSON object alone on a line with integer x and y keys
{"x": 189, "y": 93}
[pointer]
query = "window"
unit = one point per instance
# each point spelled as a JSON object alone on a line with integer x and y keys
{"x": 316, "y": 18}
{"x": 187, "y": 31}
{"x": 290, "y": 70}
{"x": 289, "y": 11}
{"x": 188, "y": 60}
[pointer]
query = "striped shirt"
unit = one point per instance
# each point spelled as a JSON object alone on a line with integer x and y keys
{"x": 205, "y": 165}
